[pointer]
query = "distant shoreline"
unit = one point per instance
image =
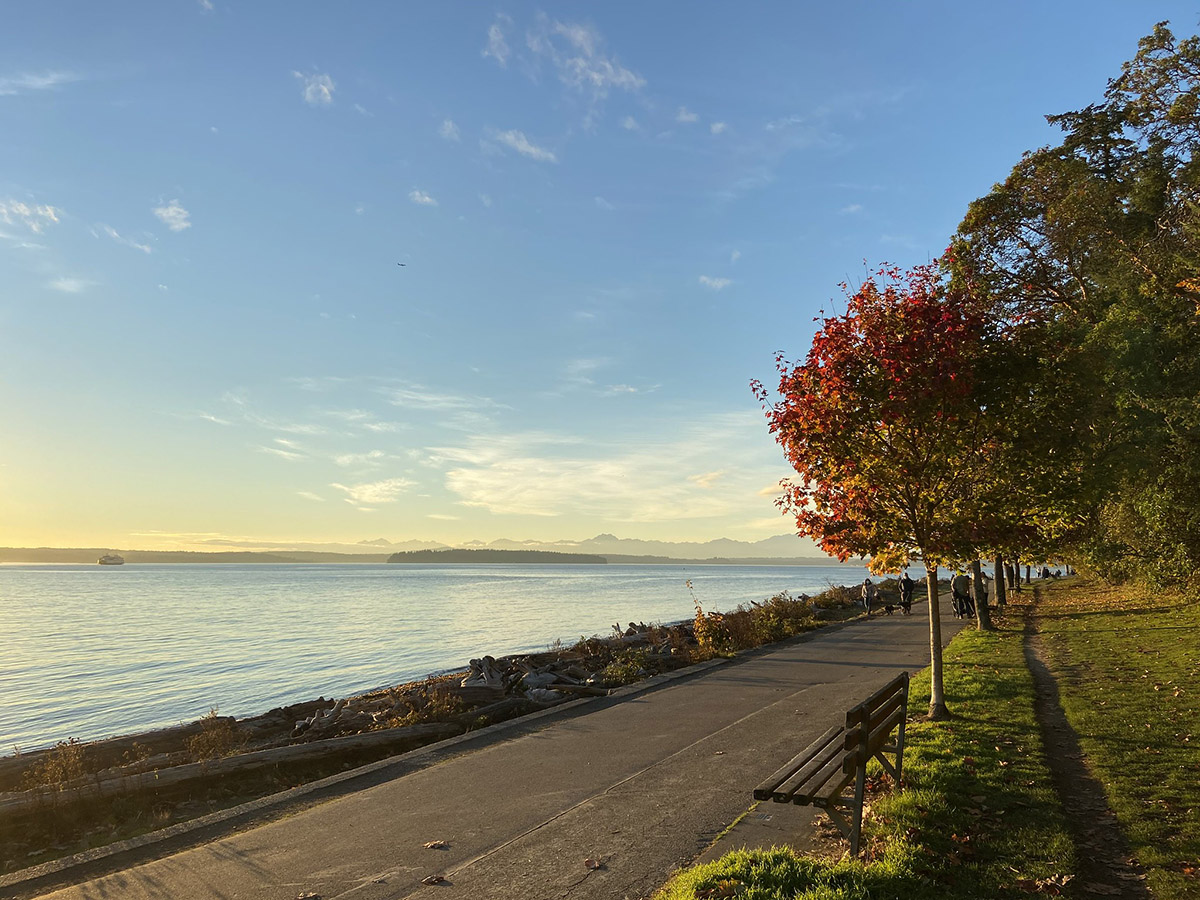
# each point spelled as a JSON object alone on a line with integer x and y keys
{"x": 88, "y": 556}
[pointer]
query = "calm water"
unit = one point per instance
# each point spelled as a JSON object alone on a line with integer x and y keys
{"x": 92, "y": 651}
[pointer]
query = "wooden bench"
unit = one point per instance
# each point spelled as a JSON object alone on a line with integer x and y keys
{"x": 819, "y": 774}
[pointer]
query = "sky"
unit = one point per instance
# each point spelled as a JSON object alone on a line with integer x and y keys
{"x": 610, "y": 217}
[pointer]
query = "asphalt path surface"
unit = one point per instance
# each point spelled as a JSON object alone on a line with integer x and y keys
{"x": 640, "y": 785}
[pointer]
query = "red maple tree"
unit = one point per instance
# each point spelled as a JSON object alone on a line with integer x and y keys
{"x": 886, "y": 423}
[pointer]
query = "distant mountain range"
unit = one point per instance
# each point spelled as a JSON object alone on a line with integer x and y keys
{"x": 780, "y": 549}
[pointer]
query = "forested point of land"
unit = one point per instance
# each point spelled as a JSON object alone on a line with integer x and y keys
{"x": 519, "y": 557}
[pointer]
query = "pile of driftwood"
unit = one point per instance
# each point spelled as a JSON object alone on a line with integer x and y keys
{"x": 493, "y": 688}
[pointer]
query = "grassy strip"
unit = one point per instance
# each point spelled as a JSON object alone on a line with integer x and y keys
{"x": 978, "y": 816}
{"x": 1128, "y": 668}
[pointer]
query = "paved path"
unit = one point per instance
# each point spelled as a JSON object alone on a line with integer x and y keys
{"x": 643, "y": 784}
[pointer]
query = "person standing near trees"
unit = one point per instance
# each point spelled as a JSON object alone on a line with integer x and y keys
{"x": 869, "y": 592}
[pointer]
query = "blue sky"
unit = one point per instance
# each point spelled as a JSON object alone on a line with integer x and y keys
{"x": 611, "y": 216}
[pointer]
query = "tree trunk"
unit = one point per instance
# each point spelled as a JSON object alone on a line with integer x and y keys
{"x": 1027, "y": 575}
{"x": 1001, "y": 569}
{"x": 937, "y": 694}
{"x": 983, "y": 617}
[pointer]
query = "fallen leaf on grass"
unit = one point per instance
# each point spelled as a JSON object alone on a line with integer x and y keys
{"x": 308, "y": 895}
{"x": 437, "y": 845}
{"x": 723, "y": 889}
{"x": 433, "y": 879}
{"x": 1054, "y": 885}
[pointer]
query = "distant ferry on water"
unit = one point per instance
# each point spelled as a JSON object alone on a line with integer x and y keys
{"x": 111, "y": 559}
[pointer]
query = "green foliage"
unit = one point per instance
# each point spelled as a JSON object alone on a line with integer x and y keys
{"x": 978, "y": 816}
{"x": 1089, "y": 249}
{"x": 627, "y": 667}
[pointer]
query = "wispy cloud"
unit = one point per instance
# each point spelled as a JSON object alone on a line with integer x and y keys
{"x": 653, "y": 480}
{"x": 318, "y": 89}
{"x": 497, "y": 47}
{"x": 371, "y": 457}
{"x": 421, "y": 198}
{"x": 71, "y": 285}
{"x": 707, "y": 479}
{"x": 485, "y": 199}
{"x": 851, "y": 209}
{"x": 735, "y": 256}
{"x": 417, "y": 396}
{"x": 376, "y": 492}
{"x": 174, "y": 216}
{"x": 35, "y": 217}
{"x": 31, "y": 81}
{"x": 309, "y": 495}
{"x": 715, "y": 284}
{"x": 629, "y": 123}
{"x": 206, "y": 5}
{"x": 717, "y": 127}
{"x": 449, "y": 130}
{"x": 121, "y": 239}
{"x": 516, "y": 140}
{"x": 283, "y": 453}
{"x": 686, "y": 116}
{"x": 577, "y": 55}
{"x": 604, "y": 204}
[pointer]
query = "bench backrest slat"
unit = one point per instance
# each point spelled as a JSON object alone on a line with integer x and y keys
{"x": 868, "y": 743}
{"x": 856, "y": 714}
{"x": 854, "y": 735}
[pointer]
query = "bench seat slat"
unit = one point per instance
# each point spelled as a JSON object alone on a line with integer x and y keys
{"x": 767, "y": 790}
{"x": 802, "y": 779}
{"x": 813, "y": 789}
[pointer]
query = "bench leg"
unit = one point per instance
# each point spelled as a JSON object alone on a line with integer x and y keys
{"x": 860, "y": 790}
{"x": 836, "y": 817}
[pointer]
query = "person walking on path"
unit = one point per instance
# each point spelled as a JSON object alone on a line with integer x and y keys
{"x": 869, "y": 592}
{"x": 960, "y": 588}
{"x": 906, "y": 592}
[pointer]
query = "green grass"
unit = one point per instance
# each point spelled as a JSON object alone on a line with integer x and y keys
{"x": 1128, "y": 667}
{"x": 978, "y": 816}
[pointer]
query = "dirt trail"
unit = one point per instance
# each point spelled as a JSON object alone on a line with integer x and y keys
{"x": 1106, "y": 866}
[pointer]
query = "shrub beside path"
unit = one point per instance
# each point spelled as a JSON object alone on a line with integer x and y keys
{"x": 602, "y": 800}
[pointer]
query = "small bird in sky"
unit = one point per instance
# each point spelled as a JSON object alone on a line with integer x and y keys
{"x": 402, "y": 264}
